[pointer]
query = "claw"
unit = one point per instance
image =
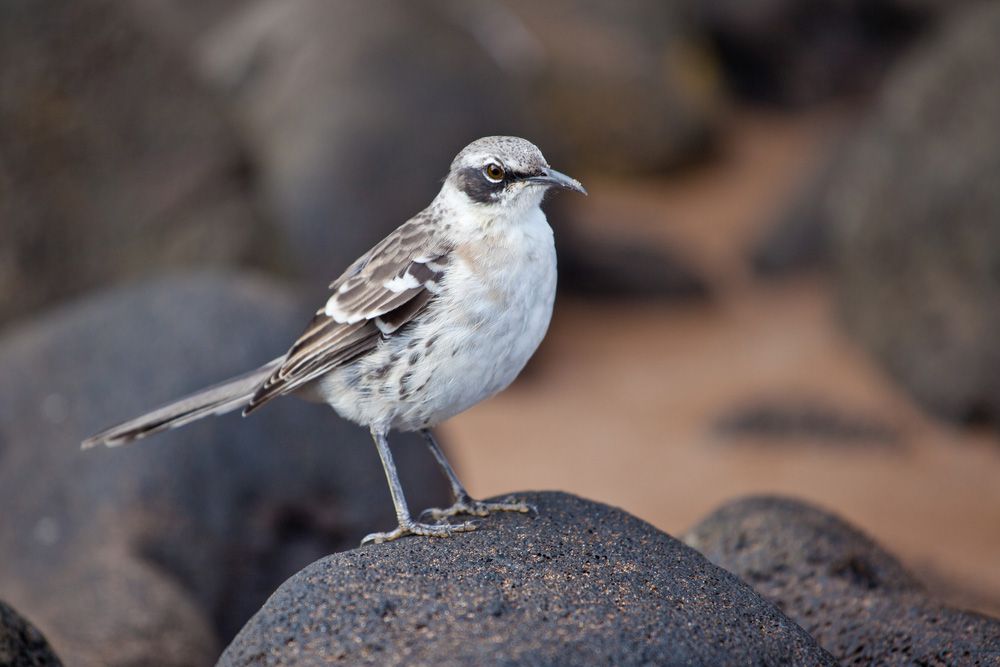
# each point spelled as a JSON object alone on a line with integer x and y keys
{"x": 423, "y": 529}
{"x": 477, "y": 508}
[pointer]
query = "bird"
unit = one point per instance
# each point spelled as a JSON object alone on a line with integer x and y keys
{"x": 441, "y": 314}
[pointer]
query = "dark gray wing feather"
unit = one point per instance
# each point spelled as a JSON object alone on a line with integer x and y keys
{"x": 378, "y": 294}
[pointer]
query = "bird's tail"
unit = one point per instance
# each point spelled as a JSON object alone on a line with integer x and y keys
{"x": 216, "y": 400}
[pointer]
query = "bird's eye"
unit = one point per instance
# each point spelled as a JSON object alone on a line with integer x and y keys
{"x": 493, "y": 172}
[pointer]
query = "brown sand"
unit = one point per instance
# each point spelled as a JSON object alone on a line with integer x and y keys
{"x": 621, "y": 402}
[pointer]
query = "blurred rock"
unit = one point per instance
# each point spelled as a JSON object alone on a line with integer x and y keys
{"x": 606, "y": 252}
{"x": 158, "y": 552}
{"x": 614, "y": 266}
{"x": 916, "y": 233}
{"x": 853, "y": 597}
{"x": 355, "y": 111}
{"x": 625, "y": 86}
{"x": 581, "y": 583}
{"x": 798, "y": 240}
{"x": 792, "y": 53}
{"x": 184, "y": 22}
{"x": 114, "y": 161}
{"x": 954, "y": 591}
{"x": 804, "y": 420}
{"x": 21, "y": 644}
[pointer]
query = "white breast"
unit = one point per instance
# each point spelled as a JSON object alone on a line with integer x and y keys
{"x": 509, "y": 290}
{"x": 496, "y": 309}
{"x": 489, "y": 317}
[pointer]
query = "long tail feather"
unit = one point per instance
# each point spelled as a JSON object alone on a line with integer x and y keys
{"x": 219, "y": 399}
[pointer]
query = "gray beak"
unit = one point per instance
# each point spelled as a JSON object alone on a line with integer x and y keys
{"x": 557, "y": 179}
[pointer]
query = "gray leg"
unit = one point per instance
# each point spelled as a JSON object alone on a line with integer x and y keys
{"x": 457, "y": 490}
{"x": 407, "y": 526}
{"x": 464, "y": 504}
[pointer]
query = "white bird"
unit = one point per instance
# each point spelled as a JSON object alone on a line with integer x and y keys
{"x": 441, "y": 314}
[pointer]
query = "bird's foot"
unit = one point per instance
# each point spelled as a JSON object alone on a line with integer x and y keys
{"x": 472, "y": 507}
{"x": 424, "y": 529}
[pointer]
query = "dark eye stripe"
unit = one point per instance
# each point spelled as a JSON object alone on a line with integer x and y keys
{"x": 474, "y": 183}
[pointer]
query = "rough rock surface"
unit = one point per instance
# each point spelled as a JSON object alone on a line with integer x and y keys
{"x": 158, "y": 552}
{"x": 848, "y": 593}
{"x": 115, "y": 161}
{"x": 580, "y": 584}
{"x": 21, "y": 644}
{"x": 916, "y": 234}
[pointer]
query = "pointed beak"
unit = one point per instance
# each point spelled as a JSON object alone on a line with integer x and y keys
{"x": 557, "y": 179}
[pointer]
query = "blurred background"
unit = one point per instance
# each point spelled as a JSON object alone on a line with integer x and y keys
{"x": 786, "y": 278}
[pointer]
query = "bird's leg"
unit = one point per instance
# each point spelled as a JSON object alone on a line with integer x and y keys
{"x": 407, "y": 526}
{"x": 464, "y": 503}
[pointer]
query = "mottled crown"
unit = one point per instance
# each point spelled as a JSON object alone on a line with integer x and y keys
{"x": 516, "y": 154}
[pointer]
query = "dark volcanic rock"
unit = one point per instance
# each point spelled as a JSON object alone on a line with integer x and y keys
{"x": 115, "y": 162}
{"x": 853, "y": 597}
{"x": 793, "y": 52}
{"x": 581, "y": 584}
{"x": 916, "y": 234}
{"x": 158, "y": 552}
{"x": 21, "y": 644}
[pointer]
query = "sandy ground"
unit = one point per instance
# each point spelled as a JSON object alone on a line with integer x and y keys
{"x": 622, "y": 403}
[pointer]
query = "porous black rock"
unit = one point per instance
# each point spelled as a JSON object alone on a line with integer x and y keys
{"x": 158, "y": 552}
{"x": 21, "y": 644}
{"x": 853, "y": 597}
{"x": 579, "y": 584}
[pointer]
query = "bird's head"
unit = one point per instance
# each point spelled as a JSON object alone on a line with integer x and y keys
{"x": 505, "y": 174}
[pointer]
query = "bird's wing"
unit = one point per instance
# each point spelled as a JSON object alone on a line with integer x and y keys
{"x": 378, "y": 294}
